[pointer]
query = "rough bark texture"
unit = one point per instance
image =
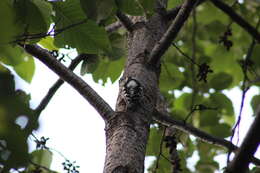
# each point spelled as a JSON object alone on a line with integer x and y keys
{"x": 127, "y": 131}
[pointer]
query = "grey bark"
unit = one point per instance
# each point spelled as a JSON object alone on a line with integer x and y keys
{"x": 127, "y": 131}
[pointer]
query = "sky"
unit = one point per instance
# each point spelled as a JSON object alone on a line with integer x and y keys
{"x": 77, "y": 131}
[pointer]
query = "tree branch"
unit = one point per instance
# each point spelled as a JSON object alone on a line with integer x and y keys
{"x": 237, "y": 18}
{"x": 45, "y": 101}
{"x": 113, "y": 27}
{"x": 247, "y": 148}
{"x": 181, "y": 125}
{"x": 166, "y": 40}
{"x": 67, "y": 75}
{"x": 126, "y": 22}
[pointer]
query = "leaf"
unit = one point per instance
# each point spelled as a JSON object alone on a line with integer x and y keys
{"x": 86, "y": 36}
{"x": 209, "y": 166}
{"x": 209, "y": 118}
{"x": 48, "y": 43}
{"x": 170, "y": 77}
{"x": 89, "y": 64}
{"x": 42, "y": 157}
{"x": 11, "y": 55}
{"x": 223, "y": 61}
{"x": 255, "y": 103}
{"x": 99, "y": 9}
{"x": 118, "y": 46}
{"x": 10, "y": 28}
{"x": 108, "y": 69}
{"x": 221, "y": 130}
{"x": 222, "y": 103}
{"x": 173, "y": 3}
{"x": 256, "y": 55}
{"x": 221, "y": 81}
{"x": 131, "y": 7}
{"x": 153, "y": 145}
{"x": 148, "y": 6}
{"x": 26, "y": 69}
{"x": 34, "y": 15}
{"x": 208, "y": 13}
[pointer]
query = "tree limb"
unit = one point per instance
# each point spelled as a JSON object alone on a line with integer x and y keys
{"x": 237, "y": 18}
{"x": 247, "y": 148}
{"x": 166, "y": 40}
{"x": 45, "y": 101}
{"x": 126, "y": 21}
{"x": 181, "y": 125}
{"x": 67, "y": 75}
{"x": 113, "y": 27}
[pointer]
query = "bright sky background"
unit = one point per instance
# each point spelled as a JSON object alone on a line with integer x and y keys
{"x": 77, "y": 131}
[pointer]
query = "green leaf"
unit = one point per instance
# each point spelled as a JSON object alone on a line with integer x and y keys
{"x": 222, "y": 103}
{"x": 10, "y": 28}
{"x": 221, "y": 130}
{"x": 99, "y": 9}
{"x": 225, "y": 61}
{"x": 34, "y": 15}
{"x": 209, "y": 118}
{"x": 209, "y": 166}
{"x": 42, "y": 157}
{"x": 11, "y": 55}
{"x": 48, "y": 43}
{"x": 85, "y": 35}
{"x": 221, "y": 81}
{"x": 148, "y": 6}
{"x": 108, "y": 69}
{"x": 26, "y": 69}
{"x": 256, "y": 55}
{"x": 131, "y": 7}
{"x": 89, "y": 64}
{"x": 208, "y": 13}
{"x": 173, "y": 3}
{"x": 170, "y": 78}
{"x": 118, "y": 46}
{"x": 255, "y": 103}
{"x": 153, "y": 145}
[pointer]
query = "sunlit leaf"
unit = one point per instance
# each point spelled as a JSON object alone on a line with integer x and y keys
{"x": 26, "y": 69}
{"x": 48, "y": 43}
{"x": 11, "y": 55}
{"x": 42, "y": 157}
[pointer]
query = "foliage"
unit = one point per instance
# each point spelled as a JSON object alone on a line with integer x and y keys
{"x": 221, "y": 46}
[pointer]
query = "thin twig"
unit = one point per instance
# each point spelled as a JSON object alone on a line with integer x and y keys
{"x": 170, "y": 122}
{"x": 237, "y": 18}
{"x": 165, "y": 42}
{"x": 160, "y": 151}
{"x": 185, "y": 55}
{"x": 76, "y": 82}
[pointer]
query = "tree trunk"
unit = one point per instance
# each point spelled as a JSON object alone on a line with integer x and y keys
{"x": 127, "y": 131}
